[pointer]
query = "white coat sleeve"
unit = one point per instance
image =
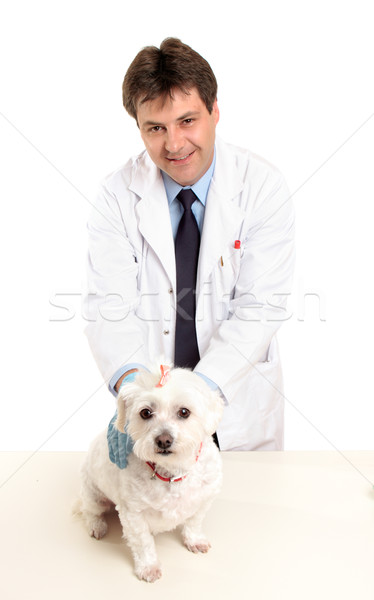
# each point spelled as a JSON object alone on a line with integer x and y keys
{"x": 115, "y": 335}
{"x": 257, "y": 306}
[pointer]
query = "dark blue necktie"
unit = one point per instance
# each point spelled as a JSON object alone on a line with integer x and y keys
{"x": 187, "y": 244}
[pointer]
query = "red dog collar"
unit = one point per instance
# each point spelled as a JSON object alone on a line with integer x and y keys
{"x": 170, "y": 479}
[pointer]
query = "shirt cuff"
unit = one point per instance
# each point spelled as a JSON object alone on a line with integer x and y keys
{"x": 119, "y": 374}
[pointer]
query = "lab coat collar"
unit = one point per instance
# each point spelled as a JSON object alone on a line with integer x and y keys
{"x": 228, "y": 177}
{"x": 153, "y": 213}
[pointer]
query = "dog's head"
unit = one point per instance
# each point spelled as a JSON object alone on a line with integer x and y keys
{"x": 168, "y": 422}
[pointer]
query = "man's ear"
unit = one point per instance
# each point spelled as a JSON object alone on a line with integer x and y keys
{"x": 215, "y": 111}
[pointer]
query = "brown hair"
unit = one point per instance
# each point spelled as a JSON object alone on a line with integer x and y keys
{"x": 156, "y": 72}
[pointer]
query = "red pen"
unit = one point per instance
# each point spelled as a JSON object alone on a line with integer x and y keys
{"x": 237, "y": 244}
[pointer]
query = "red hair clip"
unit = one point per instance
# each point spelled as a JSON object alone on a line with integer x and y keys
{"x": 165, "y": 375}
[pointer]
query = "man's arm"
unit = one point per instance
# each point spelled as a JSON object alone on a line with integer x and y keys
{"x": 258, "y": 306}
{"x": 116, "y": 336}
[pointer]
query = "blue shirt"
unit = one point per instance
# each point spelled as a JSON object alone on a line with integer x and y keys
{"x": 200, "y": 189}
{"x": 172, "y": 188}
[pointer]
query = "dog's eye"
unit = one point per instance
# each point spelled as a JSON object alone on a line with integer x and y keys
{"x": 146, "y": 413}
{"x": 183, "y": 413}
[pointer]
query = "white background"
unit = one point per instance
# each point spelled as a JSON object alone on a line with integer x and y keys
{"x": 295, "y": 86}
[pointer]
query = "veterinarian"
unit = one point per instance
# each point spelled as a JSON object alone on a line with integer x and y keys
{"x": 189, "y": 208}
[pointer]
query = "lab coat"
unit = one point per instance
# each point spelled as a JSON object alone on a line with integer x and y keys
{"x": 241, "y": 292}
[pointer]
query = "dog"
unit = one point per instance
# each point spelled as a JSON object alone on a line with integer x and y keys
{"x": 174, "y": 470}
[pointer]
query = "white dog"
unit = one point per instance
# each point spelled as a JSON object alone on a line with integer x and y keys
{"x": 173, "y": 473}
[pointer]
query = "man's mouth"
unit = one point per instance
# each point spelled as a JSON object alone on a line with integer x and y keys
{"x": 181, "y": 158}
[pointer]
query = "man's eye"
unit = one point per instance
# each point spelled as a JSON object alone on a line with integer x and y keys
{"x": 188, "y": 121}
{"x": 146, "y": 413}
{"x": 183, "y": 413}
{"x": 156, "y": 128}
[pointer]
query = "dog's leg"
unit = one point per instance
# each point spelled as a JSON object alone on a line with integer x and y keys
{"x": 142, "y": 545}
{"x": 192, "y": 533}
{"x": 92, "y": 507}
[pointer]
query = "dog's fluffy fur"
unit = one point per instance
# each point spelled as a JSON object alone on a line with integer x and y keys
{"x": 163, "y": 435}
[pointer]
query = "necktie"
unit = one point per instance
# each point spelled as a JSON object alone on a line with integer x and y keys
{"x": 187, "y": 243}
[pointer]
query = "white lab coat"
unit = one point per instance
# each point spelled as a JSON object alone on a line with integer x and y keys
{"x": 241, "y": 292}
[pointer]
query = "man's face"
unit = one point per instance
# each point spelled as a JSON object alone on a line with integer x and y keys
{"x": 179, "y": 134}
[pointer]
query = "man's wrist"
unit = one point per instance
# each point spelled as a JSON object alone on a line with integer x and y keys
{"x": 119, "y": 382}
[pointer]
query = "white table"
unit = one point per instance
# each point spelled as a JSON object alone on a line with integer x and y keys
{"x": 287, "y": 525}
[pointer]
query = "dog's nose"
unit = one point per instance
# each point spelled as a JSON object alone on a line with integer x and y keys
{"x": 164, "y": 441}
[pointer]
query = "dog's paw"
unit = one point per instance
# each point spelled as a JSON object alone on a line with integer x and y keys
{"x": 198, "y": 546}
{"x": 150, "y": 574}
{"x": 97, "y": 528}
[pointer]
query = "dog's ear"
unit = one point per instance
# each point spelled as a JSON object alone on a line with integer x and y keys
{"x": 214, "y": 411}
{"x": 124, "y": 398}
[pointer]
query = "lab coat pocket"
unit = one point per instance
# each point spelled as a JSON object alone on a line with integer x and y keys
{"x": 267, "y": 381}
{"x": 226, "y": 273}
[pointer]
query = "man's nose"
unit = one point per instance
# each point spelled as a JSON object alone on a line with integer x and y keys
{"x": 174, "y": 141}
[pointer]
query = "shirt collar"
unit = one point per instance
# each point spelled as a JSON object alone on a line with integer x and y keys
{"x": 200, "y": 188}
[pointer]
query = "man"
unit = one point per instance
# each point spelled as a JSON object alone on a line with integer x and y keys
{"x": 143, "y": 237}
